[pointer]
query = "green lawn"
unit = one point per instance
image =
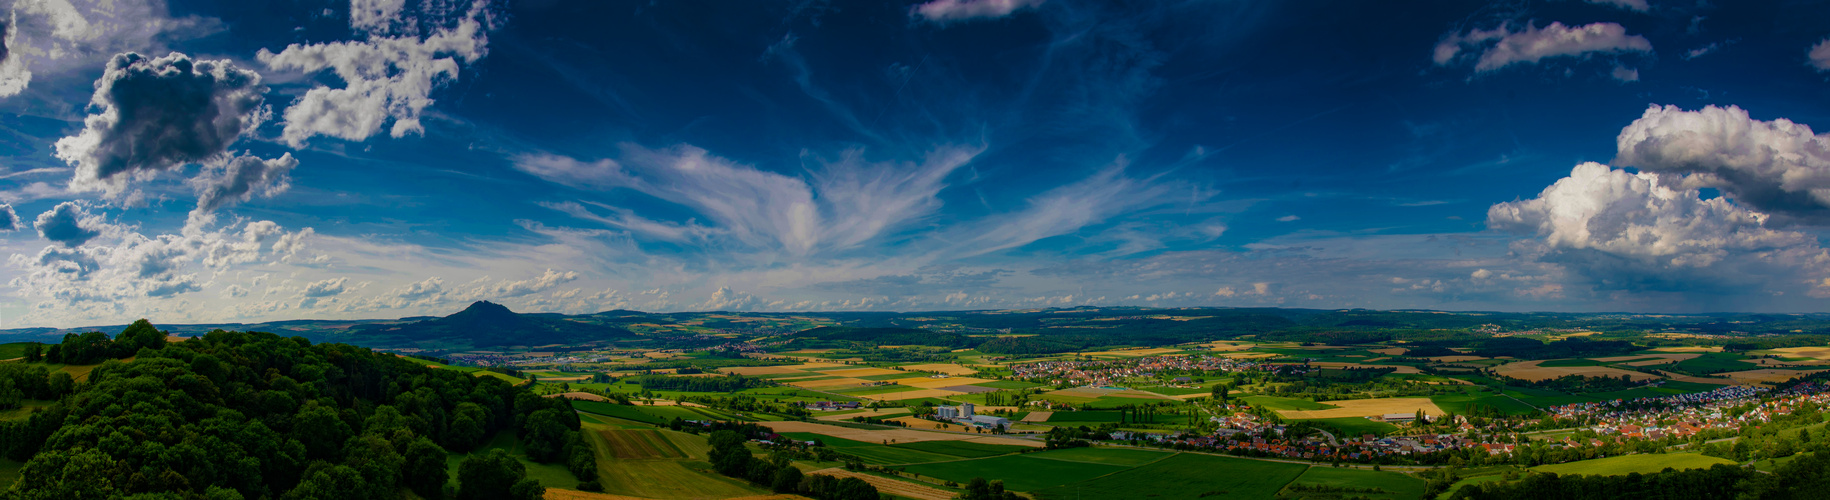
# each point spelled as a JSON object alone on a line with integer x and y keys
{"x": 1019, "y": 472}
{"x": 1352, "y": 426}
{"x": 1185, "y": 476}
{"x": 1645, "y": 463}
{"x": 1392, "y": 485}
{"x": 965, "y": 449}
{"x": 1286, "y": 404}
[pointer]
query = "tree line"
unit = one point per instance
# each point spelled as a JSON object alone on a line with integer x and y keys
{"x": 254, "y": 415}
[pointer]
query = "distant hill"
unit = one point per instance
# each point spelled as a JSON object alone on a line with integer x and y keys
{"x": 486, "y": 324}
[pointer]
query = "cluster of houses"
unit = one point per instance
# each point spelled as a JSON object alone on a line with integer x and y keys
{"x": 1685, "y": 415}
{"x": 963, "y": 415}
{"x": 831, "y": 405}
{"x": 1109, "y": 372}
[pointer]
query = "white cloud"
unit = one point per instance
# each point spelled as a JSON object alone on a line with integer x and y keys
{"x": 485, "y": 289}
{"x": 58, "y": 36}
{"x": 375, "y": 15}
{"x": 160, "y": 114}
{"x": 1068, "y": 208}
{"x": 69, "y": 224}
{"x": 1533, "y": 44}
{"x": 385, "y": 78}
{"x": 325, "y": 288}
{"x": 849, "y": 202}
{"x": 239, "y": 179}
{"x": 1778, "y": 167}
{"x": 943, "y": 11}
{"x": 1820, "y": 55}
{"x": 1631, "y": 231}
{"x": 1288, "y": 218}
{"x": 1624, "y": 74}
{"x": 726, "y": 299}
{"x": 9, "y": 220}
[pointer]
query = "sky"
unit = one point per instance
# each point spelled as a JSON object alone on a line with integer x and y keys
{"x": 210, "y": 161}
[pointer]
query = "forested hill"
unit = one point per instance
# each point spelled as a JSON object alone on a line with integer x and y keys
{"x": 486, "y": 324}
{"x": 254, "y": 415}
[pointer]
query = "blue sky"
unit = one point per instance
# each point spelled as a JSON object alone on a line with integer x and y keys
{"x": 216, "y": 161}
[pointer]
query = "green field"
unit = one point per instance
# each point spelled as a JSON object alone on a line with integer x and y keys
{"x": 890, "y": 455}
{"x": 1112, "y": 456}
{"x": 1084, "y": 416}
{"x": 1286, "y": 404}
{"x": 1023, "y": 472}
{"x": 1466, "y": 404}
{"x": 1392, "y": 485}
{"x": 965, "y": 449}
{"x": 664, "y": 478}
{"x": 1352, "y": 426}
{"x": 12, "y": 350}
{"x": 1188, "y": 476}
{"x": 1008, "y": 384}
{"x": 657, "y": 415}
{"x": 1641, "y": 463}
{"x": 1177, "y": 391}
{"x": 829, "y": 441}
{"x": 1713, "y": 362}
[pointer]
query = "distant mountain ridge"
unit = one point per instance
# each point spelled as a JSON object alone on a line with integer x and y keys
{"x": 488, "y": 324}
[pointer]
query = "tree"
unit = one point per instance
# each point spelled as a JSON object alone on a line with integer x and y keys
{"x": 493, "y": 475}
{"x": 139, "y": 335}
{"x": 546, "y": 436}
{"x": 425, "y": 471}
{"x": 331, "y": 483}
{"x": 320, "y": 429}
{"x": 1220, "y": 392}
{"x": 787, "y": 479}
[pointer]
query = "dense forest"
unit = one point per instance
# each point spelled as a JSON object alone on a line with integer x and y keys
{"x": 254, "y": 415}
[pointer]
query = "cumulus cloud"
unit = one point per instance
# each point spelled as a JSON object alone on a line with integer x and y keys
{"x": 1778, "y": 167}
{"x": 487, "y": 289}
{"x": 1820, "y": 55}
{"x": 386, "y": 78}
{"x": 1633, "y": 232}
{"x": 158, "y": 114}
{"x": 9, "y": 220}
{"x": 944, "y": 11}
{"x": 325, "y": 288}
{"x": 55, "y": 36}
{"x": 726, "y": 299}
{"x": 94, "y": 268}
{"x": 69, "y": 224}
{"x": 1502, "y": 47}
{"x": 240, "y": 179}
